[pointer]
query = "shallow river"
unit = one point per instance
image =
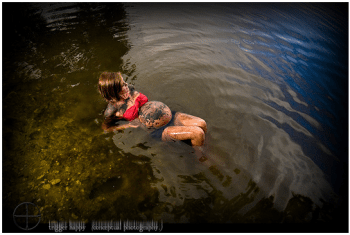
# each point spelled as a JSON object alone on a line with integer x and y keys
{"x": 271, "y": 81}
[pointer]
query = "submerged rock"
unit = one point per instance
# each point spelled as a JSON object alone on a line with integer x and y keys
{"x": 40, "y": 176}
{"x": 55, "y": 181}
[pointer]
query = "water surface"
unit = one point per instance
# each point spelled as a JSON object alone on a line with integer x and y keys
{"x": 269, "y": 79}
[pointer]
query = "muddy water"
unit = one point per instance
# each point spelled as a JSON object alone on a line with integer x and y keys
{"x": 269, "y": 79}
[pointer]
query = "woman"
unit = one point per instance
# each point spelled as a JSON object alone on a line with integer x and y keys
{"x": 125, "y": 103}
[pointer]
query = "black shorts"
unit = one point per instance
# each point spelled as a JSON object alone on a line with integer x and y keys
{"x": 157, "y": 133}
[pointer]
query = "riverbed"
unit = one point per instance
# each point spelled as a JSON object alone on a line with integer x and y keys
{"x": 270, "y": 80}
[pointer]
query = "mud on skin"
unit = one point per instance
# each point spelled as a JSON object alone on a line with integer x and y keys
{"x": 113, "y": 108}
{"x": 154, "y": 114}
{"x": 125, "y": 105}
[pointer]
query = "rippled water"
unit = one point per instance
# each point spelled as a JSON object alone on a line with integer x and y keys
{"x": 269, "y": 79}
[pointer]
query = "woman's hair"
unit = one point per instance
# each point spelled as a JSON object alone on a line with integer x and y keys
{"x": 109, "y": 85}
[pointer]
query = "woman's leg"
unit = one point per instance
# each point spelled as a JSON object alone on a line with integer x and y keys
{"x": 183, "y": 119}
{"x": 193, "y": 133}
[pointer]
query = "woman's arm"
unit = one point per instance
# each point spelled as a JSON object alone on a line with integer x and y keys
{"x": 116, "y": 128}
{"x": 108, "y": 128}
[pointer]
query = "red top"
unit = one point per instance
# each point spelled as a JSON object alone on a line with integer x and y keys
{"x": 133, "y": 112}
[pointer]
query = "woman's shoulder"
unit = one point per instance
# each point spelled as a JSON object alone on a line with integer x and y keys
{"x": 111, "y": 109}
{"x": 114, "y": 108}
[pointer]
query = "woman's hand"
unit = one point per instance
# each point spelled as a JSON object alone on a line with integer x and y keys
{"x": 135, "y": 123}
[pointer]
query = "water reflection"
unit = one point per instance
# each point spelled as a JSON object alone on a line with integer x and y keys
{"x": 308, "y": 60}
{"x": 259, "y": 163}
{"x": 257, "y": 71}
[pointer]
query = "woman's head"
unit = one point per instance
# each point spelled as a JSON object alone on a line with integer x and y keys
{"x": 110, "y": 85}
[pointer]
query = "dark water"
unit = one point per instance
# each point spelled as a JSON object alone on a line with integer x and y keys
{"x": 271, "y": 81}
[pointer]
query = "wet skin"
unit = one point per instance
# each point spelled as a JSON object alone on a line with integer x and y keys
{"x": 155, "y": 114}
